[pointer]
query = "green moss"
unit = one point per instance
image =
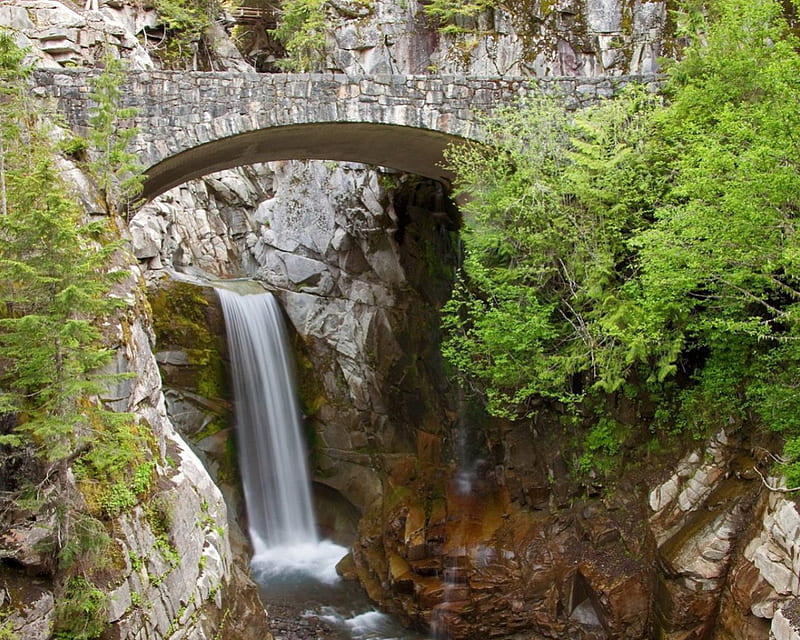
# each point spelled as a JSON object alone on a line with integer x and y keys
{"x": 228, "y": 472}
{"x": 179, "y": 315}
{"x": 214, "y": 426}
{"x": 396, "y": 495}
{"x": 311, "y": 395}
{"x": 211, "y": 379}
{"x": 181, "y": 319}
{"x": 7, "y": 629}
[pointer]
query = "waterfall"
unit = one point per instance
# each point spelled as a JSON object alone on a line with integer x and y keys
{"x": 272, "y": 455}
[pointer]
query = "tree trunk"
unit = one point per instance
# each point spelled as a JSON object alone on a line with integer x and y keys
{"x": 3, "y": 199}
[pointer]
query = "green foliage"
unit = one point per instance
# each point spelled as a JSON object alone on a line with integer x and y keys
{"x": 159, "y": 513}
{"x": 54, "y": 285}
{"x": 116, "y": 169}
{"x": 301, "y": 28}
{"x": 137, "y": 561}
{"x": 185, "y": 21}
{"x": 167, "y": 551}
{"x": 7, "y": 629}
{"x": 538, "y": 311}
{"x": 81, "y": 614}
{"x": 12, "y": 75}
{"x": 137, "y": 600}
{"x": 450, "y": 15}
{"x": 124, "y": 494}
{"x": 791, "y": 463}
{"x": 75, "y": 147}
{"x": 179, "y": 319}
{"x": 602, "y": 445}
{"x": 644, "y": 247}
{"x": 720, "y": 265}
{"x": 56, "y": 281}
{"x": 86, "y": 543}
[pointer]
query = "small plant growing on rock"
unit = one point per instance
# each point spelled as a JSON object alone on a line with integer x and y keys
{"x": 82, "y": 613}
{"x": 185, "y": 23}
{"x": 450, "y": 16}
{"x": 302, "y": 26}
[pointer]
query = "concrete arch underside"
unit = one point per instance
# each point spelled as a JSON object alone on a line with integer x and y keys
{"x": 408, "y": 149}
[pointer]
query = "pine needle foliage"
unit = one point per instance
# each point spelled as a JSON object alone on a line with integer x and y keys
{"x": 115, "y": 168}
{"x": 450, "y": 15}
{"x": 185, "y": 23}
{"x": 301, "y": 28}
{"x": 56, "y": 279}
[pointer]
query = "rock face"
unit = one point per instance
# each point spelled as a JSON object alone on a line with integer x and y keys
{"x": 537, "y": 38}
{"x": 699, "y": 516}
{"x": 61, "y": 34}
{"x": 360, "y": 273}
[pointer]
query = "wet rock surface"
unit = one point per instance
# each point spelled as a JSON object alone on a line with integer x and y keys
{"x": 290, "y": 622}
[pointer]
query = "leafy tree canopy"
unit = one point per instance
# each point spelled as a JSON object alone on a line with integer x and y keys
{"x": 645, "y": 247}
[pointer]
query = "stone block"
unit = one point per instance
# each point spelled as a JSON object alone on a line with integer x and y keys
{"x": 786, "y": 623}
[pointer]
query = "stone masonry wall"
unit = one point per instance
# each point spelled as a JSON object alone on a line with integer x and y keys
{"x": 178, "y": 111}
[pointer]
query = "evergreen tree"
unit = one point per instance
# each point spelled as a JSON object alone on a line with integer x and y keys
{"x": 115, "y": 168}
{"x": 56, "y": 279}
{"x": 301, "y": 28}
{"x": 12, "y": 72}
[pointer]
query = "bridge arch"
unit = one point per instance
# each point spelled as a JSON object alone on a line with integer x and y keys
{"x": 193, "y": 123}
{"x": 408, "y": 149}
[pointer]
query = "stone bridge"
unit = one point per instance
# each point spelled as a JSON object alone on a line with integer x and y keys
{"x": 192, "y": 124}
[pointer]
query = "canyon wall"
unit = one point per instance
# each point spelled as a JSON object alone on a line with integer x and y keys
{"x": 470, "y": 525}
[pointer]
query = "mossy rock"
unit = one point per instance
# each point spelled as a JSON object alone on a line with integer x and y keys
{"x": 187, "y": 320}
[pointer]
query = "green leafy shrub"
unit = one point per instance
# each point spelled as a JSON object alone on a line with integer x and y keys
{"x": 450, "y": 16}
{"x": 645, "y": 248}
{"x": 602, "y": 445}
{"x": 537, "y": 311}
{"x": 302, "y": 27}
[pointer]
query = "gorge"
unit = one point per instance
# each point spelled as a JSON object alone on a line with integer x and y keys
{"x": 462, "y": 522}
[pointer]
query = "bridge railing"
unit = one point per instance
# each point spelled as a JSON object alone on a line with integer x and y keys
{"x": 253, "y": 15}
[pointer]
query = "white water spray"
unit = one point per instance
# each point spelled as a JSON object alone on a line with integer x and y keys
{"x": 272, "y": 456}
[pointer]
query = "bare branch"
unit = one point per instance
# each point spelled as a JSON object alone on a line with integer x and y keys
{"x": 770, "y": 487}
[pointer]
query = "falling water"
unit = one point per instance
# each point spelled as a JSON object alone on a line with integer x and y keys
{"x": 290, "y": 563}
{"x": 272, "y": 455}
